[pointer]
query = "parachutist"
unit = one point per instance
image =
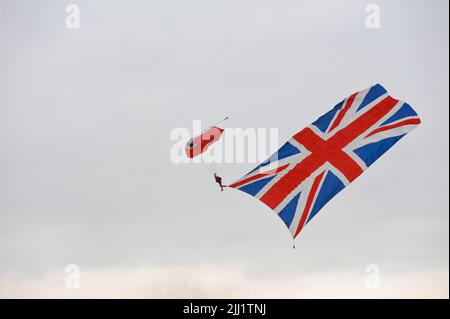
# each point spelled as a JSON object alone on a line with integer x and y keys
{"x": 219, "y": 181}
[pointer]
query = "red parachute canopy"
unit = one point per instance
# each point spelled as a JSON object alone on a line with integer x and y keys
{"x": 199, "y": 144}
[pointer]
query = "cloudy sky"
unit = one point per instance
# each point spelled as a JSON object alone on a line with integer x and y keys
{"x": 86, "y": 176}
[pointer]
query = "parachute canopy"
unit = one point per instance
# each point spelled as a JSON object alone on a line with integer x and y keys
{"x": 322, "y": 159}
{"x": 199, "y": 144}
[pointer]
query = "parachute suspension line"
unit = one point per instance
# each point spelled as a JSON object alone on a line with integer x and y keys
{"x": 212, "y": 167}
{"x": 220, "y": 122}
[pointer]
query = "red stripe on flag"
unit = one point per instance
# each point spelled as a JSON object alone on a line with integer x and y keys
{"x": 415, "y": 121}
{"x": 279, "y": 190}
{"x": 309, "y": 201}
{"x": 342, "y": 112}
{"x": 257, "y": 176}
{"x": 363, "y": 123}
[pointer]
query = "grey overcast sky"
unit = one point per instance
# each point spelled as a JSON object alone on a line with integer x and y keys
{"x": 85, "y": 171}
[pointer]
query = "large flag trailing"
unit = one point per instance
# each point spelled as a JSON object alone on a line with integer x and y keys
{"x": 323, "y": 158}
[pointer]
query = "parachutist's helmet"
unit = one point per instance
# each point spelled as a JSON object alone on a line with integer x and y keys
{"x": 190, "y": 143}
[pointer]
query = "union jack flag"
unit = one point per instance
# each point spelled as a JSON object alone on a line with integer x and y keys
{"x": 323, "y": 158}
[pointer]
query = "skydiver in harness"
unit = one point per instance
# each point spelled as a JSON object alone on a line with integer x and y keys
{"x": 219, "y": 181}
